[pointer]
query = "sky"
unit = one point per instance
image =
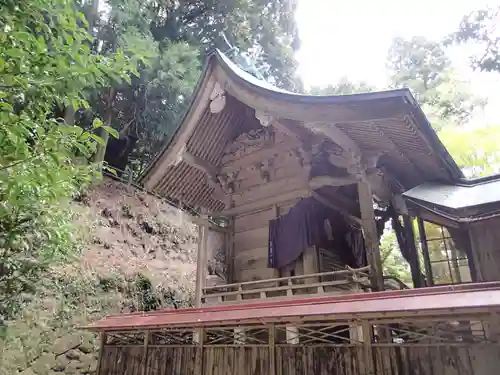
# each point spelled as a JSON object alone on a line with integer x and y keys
{"x": 351, "y": 38}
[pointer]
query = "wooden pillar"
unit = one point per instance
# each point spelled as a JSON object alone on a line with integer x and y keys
{"x": 416, "y": 275}
{"x": 272, "y": 350}
{"x": 475, "y": 272}
{"x": 145, "y": 354}
{"x": 199, "y": 339}
{"x": 102, "y": 344}
{"x": 368, "y": 348}
{"x": 201, "y": 263}
{"x": 310, "y": 264}
{"x": 230, "y": 252}
{"x": 370, "y": 234}
{"x": 292, "y": 334}
{"x": 425, "y": 252}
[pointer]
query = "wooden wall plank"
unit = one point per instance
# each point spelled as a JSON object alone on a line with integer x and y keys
{"x": 271, "y": 189}
{"x": 253, "y": 220}
{"x": 251, "y": 239}
{"x": 255, "y": 258}
{"x": 254, "y": 274}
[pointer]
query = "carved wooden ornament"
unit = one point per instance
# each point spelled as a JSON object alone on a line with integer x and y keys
{"x": 217, "y": 99}
{"x": 264, "y": 118}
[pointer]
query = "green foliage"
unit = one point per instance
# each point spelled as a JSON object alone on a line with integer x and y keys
{"x": 45, "y": 64}
{"x": 393, "y": 263}
{"x": 475, "y": 150}
{"x": 174, "y": 37}
{"x": 342, "y": 87}
{"x": 424, "y": 67}
{"x": 71, "y": 297}
{"x": 480, "y": 28}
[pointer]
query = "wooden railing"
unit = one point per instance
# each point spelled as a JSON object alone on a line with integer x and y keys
{"x": 334, "y": 282}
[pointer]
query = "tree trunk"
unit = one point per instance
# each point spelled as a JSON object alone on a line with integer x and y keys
{"x": 108, "y": 118}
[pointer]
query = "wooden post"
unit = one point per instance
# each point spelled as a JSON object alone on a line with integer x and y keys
{"x": 102, "y": 343}
{"x": 412, "y": 249}
{"x": 201, "y": 264}
{"x": 276, "y": 272}
{"x": 370, "y": 234}
{"x": 200, "y": 340}
{"x": 368, "y": 349}
{"x": 425, "y": 252}
{"x": 145, "y": 354}
{"x": 230, "y": 252}
{"x": 292, "y": 334}
{"x": 310, "y": 263}
{"x": 272, "y": 350}
{"x": 472, "y": 260}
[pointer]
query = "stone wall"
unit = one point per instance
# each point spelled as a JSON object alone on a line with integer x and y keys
{"x": 71, "y": 354}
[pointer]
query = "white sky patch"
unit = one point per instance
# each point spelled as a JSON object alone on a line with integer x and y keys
{"x": 352, "y": 39}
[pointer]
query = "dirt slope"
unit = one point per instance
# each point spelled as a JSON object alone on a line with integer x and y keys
{"x": 136, "y": 232}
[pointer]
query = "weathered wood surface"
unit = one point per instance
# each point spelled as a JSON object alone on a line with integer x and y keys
{"x": 485, "y": 244}
{"x": 303, "y": 360}
{"x": 299, "y": 360}
{"x": 122, "y": 360}
{"x": 172, "y": 360}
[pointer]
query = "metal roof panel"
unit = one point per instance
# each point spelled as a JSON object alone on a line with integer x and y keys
{"x": 424, "y": 301}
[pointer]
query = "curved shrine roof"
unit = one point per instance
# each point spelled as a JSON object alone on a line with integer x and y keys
{"x": 227, "y": 100}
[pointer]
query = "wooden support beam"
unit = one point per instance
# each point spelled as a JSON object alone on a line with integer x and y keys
{"x": 102, "y": 343}
{"x": 145, "y": 354}
{"x": 265, "y": 203}
{"x": 272, "y": 188}
{"x": 412, "y": 249}
{"x": 234, "y": 163}
{"x": 292, "y": 334}
{"x": 310, "y": 261}
{"x": 230, "y": 251}
{"x": 370, "y": 234}
{"x": 272, "y": 350}
{"x": 335, "y": 207}
{"x": 320, "y": 181}
{"x": 199, "y": 338}
{"x": 210, "y": 172}
{"x": 201, "y": 264}
{"x": 200, "y": 164}
{"x": 367, "y": 332}
{"x": 337, "y": 136}
{"x": 425, "y": 252}
{"x": 200, "y": 221}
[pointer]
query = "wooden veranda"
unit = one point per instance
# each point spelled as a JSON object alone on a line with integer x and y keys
{"x": 440, "y": 330}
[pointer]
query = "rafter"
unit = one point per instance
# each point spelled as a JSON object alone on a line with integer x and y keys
{"x": 393, "y": 146}
{"x": 336, "y": 207}
{"x": 211, "y": 172}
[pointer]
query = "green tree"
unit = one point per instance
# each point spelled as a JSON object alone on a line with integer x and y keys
{"x": 480, "y": 28}
{"x": 46, "y": 65}
{"x": 343, "y": 87}
{"x": 393, "y": 263}
{"x": 175, "y": 37}
{"x": 424, "y": 67}
{"x": 475, "y": 149}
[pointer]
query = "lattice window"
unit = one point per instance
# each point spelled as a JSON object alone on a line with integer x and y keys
{"x": 313, "y": 334}
{"x": 125, "y": 338}
{"x": 449, "y": 264}
{"x": 237, "y": 336}
{"x": 432, "y": 332}
{"x": 169, "y": 337}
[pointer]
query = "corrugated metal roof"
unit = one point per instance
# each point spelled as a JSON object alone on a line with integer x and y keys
{"x": 457, "y": 196}
{"x": 424, "y": 301}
